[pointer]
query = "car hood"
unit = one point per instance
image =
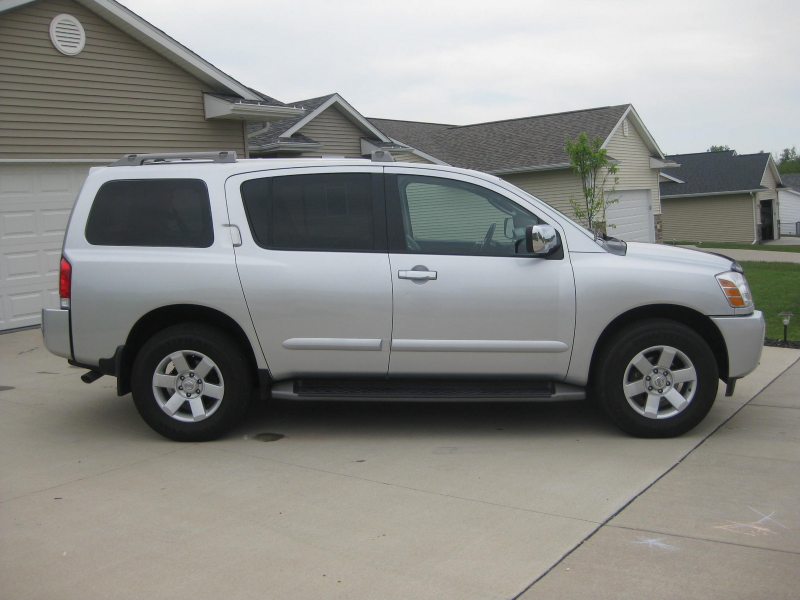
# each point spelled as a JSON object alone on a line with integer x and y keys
{"x": 673, "y": 254}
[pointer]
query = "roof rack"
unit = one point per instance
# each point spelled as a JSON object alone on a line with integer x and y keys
{"x": 134, "y": 160}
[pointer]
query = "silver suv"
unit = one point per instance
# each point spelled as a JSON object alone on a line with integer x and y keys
{"x": 197, "y": 280}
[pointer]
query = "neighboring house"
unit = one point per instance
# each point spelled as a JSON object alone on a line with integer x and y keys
{"x": 82, "y": 83}
{"x": 721, "y": 197}
{"x": 529, "y": 152}
{"x": 329, "y": 127}
{"x": 789, "y": 200}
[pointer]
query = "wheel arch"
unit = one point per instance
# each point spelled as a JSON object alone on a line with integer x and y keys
{"x": 157, "y": 319}
{"x": 693, "y": 319}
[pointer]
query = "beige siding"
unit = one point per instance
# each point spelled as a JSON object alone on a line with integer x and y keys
{"x": 338, "y": 135}
{"x": 116, "y": 96}
{"x": 556, "y": 188}
{"x": 634, "y": 164}
{"x": 708, "y": 219}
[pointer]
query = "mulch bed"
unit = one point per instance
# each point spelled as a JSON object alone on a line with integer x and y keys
{"x": 781, "y": 344}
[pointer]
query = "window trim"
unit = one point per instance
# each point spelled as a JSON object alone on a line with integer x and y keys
{"x": 395, "y": 216}
{"x": 378, "y": 211}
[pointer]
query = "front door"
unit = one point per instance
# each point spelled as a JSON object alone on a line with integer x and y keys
{"x": 314, "y": 267}
{"x": 467, "y": 300}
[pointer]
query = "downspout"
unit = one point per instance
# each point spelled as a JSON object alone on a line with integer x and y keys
{"x": 755, "y": 219}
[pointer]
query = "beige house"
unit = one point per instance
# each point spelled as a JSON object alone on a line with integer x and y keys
{"x": 721, "y": 197}
{"x": 529, "y": 152}
{"x": 82, "y": 83}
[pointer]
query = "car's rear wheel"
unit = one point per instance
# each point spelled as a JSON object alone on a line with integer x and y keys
{"x": 191, "y": 382}
{"x": 657, "y": 378}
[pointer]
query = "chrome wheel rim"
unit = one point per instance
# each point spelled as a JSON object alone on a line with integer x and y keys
{"x": 659, "y": 382}
{"x": 188, "y": 386}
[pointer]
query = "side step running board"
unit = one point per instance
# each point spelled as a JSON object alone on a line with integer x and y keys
{"x": 431, "y": 390}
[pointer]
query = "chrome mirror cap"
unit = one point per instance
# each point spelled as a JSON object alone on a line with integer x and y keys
{"x": 541, "y": 239}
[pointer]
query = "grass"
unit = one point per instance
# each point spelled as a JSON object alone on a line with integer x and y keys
{"x": 776, "y": 288}
{"x": 759, "y": 247}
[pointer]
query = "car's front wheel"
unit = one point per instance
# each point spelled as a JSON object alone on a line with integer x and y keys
{"x": 656, "y": 379}
{"x": 191, "y": 382}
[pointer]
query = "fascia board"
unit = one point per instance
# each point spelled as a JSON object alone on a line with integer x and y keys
{"x": 640, "y": 128}
{"x": 657, "y": 163}
{"x": 433, "y": 159}
{"x": 671, "y": 178}
{"x": 349, "y": 112}
{"x": 552, "y": 167}
{"x": 728, "y": 193}
{"x": 161, "y": 43}
{"x": 285, "y": 147}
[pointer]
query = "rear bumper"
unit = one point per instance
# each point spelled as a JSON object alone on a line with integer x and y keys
{"x": 55, "y": 331}
{"x": 744, "y": 337}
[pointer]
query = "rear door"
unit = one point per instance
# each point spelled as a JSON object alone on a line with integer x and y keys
{"x": 314, "y": 267}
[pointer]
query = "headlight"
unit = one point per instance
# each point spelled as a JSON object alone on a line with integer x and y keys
{"x": 735, "y": 288}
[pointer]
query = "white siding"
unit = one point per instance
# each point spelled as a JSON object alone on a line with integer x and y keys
{"x": 790, "y": 211}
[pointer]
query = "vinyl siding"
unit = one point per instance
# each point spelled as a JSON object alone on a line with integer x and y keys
{"x": 553, "y": 187}
{"x": 116, "y": 96}
{"x": 338, "y": 135}
{"x": 634, "y": 164}
{"x": 768, "y": 181}
{"x": 708, "y": 219}
{"x": 790, "y": 211}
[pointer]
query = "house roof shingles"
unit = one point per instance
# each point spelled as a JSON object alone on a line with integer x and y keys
{"x": 715, "y": 172}
{"x": 791, "y": 180}
{"x": 514, "y": 144}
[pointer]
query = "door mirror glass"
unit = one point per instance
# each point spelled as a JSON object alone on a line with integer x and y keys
{"x": 541, "y": 240}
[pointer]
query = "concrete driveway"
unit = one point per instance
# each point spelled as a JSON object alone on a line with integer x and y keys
{"x": 353, "y": 501}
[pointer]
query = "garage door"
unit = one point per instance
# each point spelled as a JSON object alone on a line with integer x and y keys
{"x": 632, "y": 216}
{"x": 35, "y": 202}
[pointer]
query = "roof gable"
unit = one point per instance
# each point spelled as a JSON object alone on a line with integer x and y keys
{"x": 162, "y": 44}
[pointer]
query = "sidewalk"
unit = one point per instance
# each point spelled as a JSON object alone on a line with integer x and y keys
{"x": 723, "y": 523}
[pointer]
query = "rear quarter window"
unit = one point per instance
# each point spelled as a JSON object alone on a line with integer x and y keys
{"x": 157, "y": 212}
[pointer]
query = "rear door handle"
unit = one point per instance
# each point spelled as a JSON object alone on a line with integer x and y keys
{"x": 417, "y": 275}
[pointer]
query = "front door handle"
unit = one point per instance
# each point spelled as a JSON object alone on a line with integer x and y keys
{"x": 417, "y": 275}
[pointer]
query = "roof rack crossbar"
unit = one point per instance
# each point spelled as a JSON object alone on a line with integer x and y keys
{"x": 132, "y": 160}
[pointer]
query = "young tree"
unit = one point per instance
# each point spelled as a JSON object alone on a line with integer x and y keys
{"x": 590, "y": 162}
{"x": 789, "y": 161}
{"x": 718, "y": 149}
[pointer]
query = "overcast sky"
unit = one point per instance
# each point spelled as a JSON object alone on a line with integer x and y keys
{"x": 699, "y": 72}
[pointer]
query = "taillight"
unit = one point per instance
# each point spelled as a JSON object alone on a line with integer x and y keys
{"x": 65, "y": 282}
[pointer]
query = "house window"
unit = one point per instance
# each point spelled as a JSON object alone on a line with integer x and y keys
{"x": 67, "y": 35}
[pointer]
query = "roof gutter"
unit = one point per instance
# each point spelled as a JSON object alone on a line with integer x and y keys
{"x": 285, "y": 147}
{"x": 728, "y": 193}
{"x": 553, "y": 167}
{"x": 219, "y": 109}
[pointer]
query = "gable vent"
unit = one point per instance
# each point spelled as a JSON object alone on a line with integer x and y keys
{"x": 67, "y": 34}
{"x": 625, "y": 128}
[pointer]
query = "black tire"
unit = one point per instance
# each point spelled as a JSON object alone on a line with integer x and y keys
{"x": 230, "y": 377}
{"x": 616, "y": 368}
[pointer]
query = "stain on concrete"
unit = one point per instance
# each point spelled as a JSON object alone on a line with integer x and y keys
{"x": 5, "y": 388}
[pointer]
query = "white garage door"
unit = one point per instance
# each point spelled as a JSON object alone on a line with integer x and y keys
{"x": 632, "y": 216}
{"x": 35, "y": 202}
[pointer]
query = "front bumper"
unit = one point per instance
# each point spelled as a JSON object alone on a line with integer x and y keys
{"x": 55, "y": 331}
{"x": 744, "y": 337}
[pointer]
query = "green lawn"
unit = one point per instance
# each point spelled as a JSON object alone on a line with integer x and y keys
{"x": 764, "y": 247}
{"x": 776, "y": 288}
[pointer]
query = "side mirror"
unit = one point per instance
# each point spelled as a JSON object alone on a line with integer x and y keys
{"x": 541, "y": 240}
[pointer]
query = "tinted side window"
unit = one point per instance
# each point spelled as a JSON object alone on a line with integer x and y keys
{"x": 328, "y": 211}
{"x": 158, "y": 212}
